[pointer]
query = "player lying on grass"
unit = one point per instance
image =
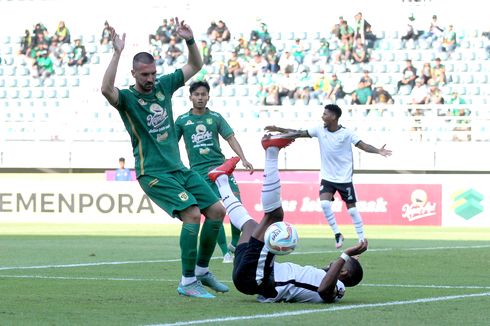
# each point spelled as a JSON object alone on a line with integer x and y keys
{"x": 255, "y": 271}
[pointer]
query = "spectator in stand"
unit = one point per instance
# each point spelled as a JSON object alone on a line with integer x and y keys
{"x": 105, "y": 37}
{"x": 412, "y": 32}
{"x": 156, "y": 51}
{"x": 359, "y": 53}
{"x": 220, "y": 33}
{"x": 267, "y": 48}
{"x": 438, "y": 73}
{"x": 254, "y": 46}
{"x": 321, "y": 88}
{"x": 344, "y": 52}
{"x": 361, "y": 26}
{"x": 426, "y": 72}
{"x": 287, "y": 87}
{"x": 173, "y": 51}
{"x": 224, "y": 77}
{"x": 254, "y": 67}
{"x": 346, "y": 33}
{"x": 435, "y": 94}
{"x": 172, "y": 30}
{"x": 162, "y": 33}
{"x": 272, "y": 64}
{"x": 322, "y": 54}
{"x": 241, "y": 46}
{"x": 211, "y": 28}
{"x": 303, "y": 90}
{"x": 419, "y": 92}
{"x": 298, "y": 51}
{"x": 449, "y": 40}
{"x": 366, "y": 79}
{"x": 336, "y": 91}
{"x": 261, "y": 32}
{"x": 287, "y": 64}
{"x": 44, "y": 65}
{"x": 205, "y": 50}
{"x": 62, "y": 33}
{"x": 78, "y": 56}
{"x": 39, "y": 28}
{"x": 234, "y": 67}
{"x": 26, "y": 43}
{"x": 434, "y": 31}
{"x": 271, "y": 95}
{"x": 409, "y": 74}
{"x": 362, "y": 95}
{"x": 381, "y": 96}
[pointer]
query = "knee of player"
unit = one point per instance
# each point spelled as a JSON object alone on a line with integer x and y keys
{"x": 216, "y": 212}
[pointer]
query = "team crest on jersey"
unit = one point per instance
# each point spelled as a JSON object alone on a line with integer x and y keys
{"x": 141, "y": 101}
{"x": 209, "y": 121}
{"x": 183, "y": 196}
{"x": 160, "y": 96}
{"x": 189, "y": 123}
{"x": 162, "y": 137}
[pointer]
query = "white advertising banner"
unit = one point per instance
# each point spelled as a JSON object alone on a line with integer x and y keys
{"x": 83, "y": 198}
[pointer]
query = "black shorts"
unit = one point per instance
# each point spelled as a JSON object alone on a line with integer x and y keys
{"x": 253, "y": 269}
{"x": 346, "y": 190}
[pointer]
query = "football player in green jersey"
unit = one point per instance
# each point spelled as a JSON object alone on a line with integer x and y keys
{"x": 201, "y": 129}
{"x": 146, "y": 110}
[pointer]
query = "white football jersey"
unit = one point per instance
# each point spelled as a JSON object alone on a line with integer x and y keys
{"x": 336, "y": 153}
{"x": 296, "y": 283}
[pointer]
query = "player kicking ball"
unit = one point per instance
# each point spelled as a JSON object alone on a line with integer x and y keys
{"x": 255, "y": 272}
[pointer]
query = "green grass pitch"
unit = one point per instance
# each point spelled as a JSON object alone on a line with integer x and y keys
{"x": 56, "y": 274}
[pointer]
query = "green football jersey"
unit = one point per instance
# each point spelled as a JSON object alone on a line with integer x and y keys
{"x": 201, "y": 136}
{"x": 149, "y": 120}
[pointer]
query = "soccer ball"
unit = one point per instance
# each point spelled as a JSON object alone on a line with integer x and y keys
{"x": 281, "y": 238}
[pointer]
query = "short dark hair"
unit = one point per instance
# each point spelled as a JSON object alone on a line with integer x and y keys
{"x": 200, "y": 83}
{"x": 335, "y": 109}
{"x": 355, "y": 273}
{"x": 121, "y": 159}
{"x": 143, "y": 57}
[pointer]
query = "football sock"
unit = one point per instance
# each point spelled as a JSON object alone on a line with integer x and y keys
{"x": 271, "y": 187}
{"x": 207, "y": 241}
{"x": 188, "y": 248}
{"x": 187, "y": 280}
{"x": 236, "y": 212}
{"x": 201, "y": 270}
{"x": 223, "y": 245}
{"x": 329, "y": 215}
{"x": 357, "y": 221}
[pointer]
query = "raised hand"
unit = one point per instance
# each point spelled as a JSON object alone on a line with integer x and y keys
{"x": 183, "y": 30}
{"x": 357, "y": 249}
{"x": 117, "y": 42}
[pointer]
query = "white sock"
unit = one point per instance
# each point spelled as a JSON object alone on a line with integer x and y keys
{"x": 201, "y": 270}
{"x": 234, "y": 208}
{"x": 188, "y": 280}
{"x": 357, "y": 221}
{"x": 329, "y": 215}
{"x": 271, "y": 188}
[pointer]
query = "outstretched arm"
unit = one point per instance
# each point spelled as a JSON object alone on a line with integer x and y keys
{"x": 110, "y": 92}
{"x": 328, "y": 286}
{"x": 235, "y": 146}
{"x": 301, "y": 133}
{"x": 371, "y": 149}
{"x": 194, "y": 61}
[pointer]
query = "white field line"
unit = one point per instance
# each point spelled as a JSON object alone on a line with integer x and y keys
{"x": 325, "y": 310}
{"x": 4, "y": 268}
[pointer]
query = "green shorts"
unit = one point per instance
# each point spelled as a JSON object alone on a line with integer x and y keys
{"x": 175, "y": 191}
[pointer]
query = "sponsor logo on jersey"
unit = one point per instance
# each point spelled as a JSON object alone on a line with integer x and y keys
{"x": 158, "y": 117}
{"x": 141, "y": 101}
{"x": 189, "y": 123}
{"x": 202, "y": 134}
{"x": 162, "y": 137}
